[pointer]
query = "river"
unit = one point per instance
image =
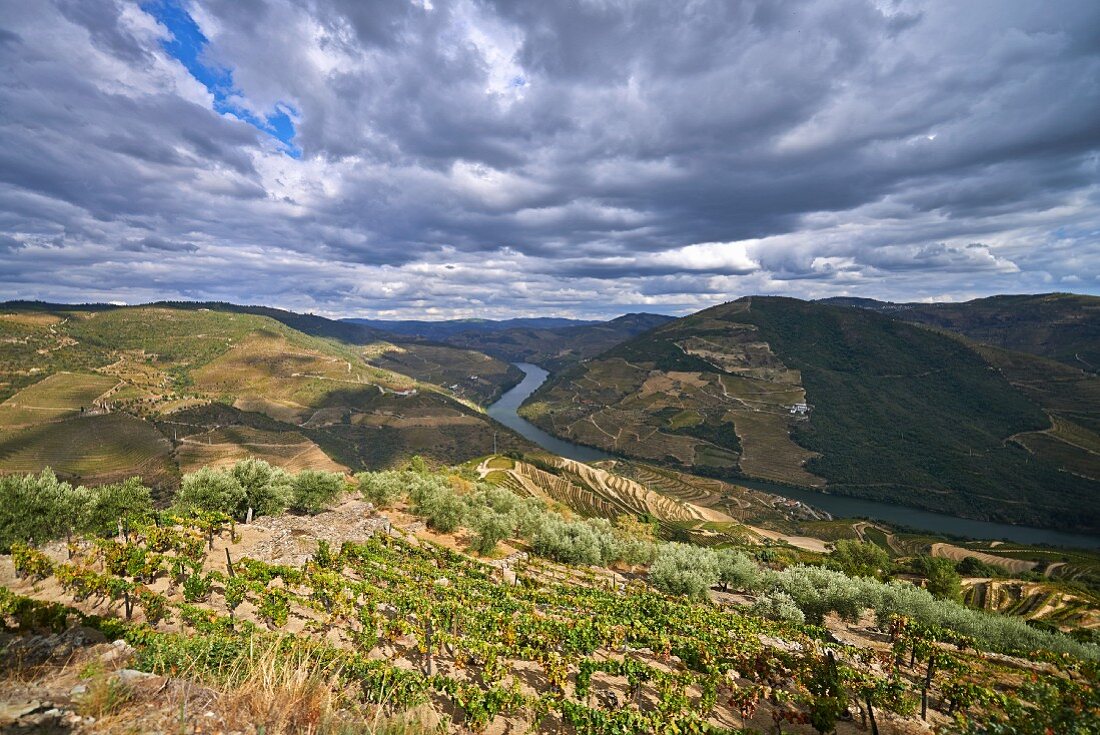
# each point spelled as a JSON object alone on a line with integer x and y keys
{"x": 504, "y": 411}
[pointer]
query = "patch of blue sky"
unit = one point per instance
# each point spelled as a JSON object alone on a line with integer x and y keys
{"x": 186, "y": 45}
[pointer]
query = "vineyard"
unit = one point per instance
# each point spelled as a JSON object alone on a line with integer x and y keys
{"x": 91, "y": 448}
{"x": 397, "y": 623}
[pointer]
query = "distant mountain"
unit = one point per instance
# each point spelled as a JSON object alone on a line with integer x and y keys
{"x": 441, "y": 330}
{"x": 849, "y": 400}
{"x": 1063, "y": 327}
{"x": 557, "y": 348}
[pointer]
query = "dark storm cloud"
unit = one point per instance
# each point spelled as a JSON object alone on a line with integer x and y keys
{"x": 464, "y": 157}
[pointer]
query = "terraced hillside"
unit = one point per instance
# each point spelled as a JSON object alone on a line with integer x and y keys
{"x": 822, "y": 396}
{"x": 594, "y": 491}
{"x": 98, "y": 393}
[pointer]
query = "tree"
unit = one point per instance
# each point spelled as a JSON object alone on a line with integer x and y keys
{"x": 442, "y": 508}
{"x": 571, "y": 543}
{"x": 736, "y": 570}
{"x": 38, "y": 507}
{"x": 490, "y": 527}
{"x": 314, "y": 490}
{"x": 267, "y": 490}
{"x": 857, "y": 559}
{"x": 109, "y": 503}
{"x": 778, "y": 606}
{"x": 211, "y": 490}
{"x": 682, "y": 569}
{"x": 382, "y": 489}
{"x": 943, "y": 581}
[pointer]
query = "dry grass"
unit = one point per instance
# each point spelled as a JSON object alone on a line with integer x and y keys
{"x": 105, "y": 696}
{"x": 281, "y": 693}
{"x": 273, "y": 691}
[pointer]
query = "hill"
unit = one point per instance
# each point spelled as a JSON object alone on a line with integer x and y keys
{"x": 444, "y": 328}
{"x": 1059, "y": 326}
{"x": 843, "y": 399}
{"x": 100, "y": 392}
{"x": 557, "y": 348}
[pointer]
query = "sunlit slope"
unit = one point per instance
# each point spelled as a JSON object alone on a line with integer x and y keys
{"x": 168, "y": 389}
{"x": 893, "y": 411}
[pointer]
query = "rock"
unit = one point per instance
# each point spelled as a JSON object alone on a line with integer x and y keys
{"x": 12, "y": 712}
{"x": 78, "y": 690}
{"x": 132, "y": 676}
{"x": 118, "y": 650}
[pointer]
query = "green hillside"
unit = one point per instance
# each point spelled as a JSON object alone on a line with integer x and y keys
{"x": 1060, "y": 326}
{"x": 96, "y": 392}
{"x": 894, "y": 411}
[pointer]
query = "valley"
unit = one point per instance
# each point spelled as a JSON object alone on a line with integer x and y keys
{"x": 748, "y": 468}
{"x": 846, "y": 400}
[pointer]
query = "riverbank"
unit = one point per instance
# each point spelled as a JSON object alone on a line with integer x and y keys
{"x": 505, "y": 411}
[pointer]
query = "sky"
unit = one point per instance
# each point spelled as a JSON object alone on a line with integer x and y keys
{"x": 585, "y": 158}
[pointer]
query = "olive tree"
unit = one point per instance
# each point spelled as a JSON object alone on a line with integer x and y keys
{"x": 314, "y": 490}
{"x": 682, "y": 569}
{"x": 267, "y": 489}
{"x": 382, "y": 489}
{"x": 211, "y": 489}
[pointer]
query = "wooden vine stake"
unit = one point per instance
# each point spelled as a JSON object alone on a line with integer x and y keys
{"x": 229, "y": 563}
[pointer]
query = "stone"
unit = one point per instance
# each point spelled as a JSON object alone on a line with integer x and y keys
{"x": 132, "y": 676}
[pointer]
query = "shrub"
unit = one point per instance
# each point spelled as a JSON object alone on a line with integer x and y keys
{"x": 313, "y": 490}
{"x": 196, "y": 587}
{"x": 680, "y": 569}
{"x": 211, "y": 490}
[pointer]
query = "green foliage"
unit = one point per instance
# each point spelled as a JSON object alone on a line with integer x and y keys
{"x": 737, "y": 570}
{"x": 830, "y": 700}
{"x": 943, "y": 580}
{"x": 196, "y": 587}
{"x": 274, "y": 607}
{"x": 267, "y": 489}
{"x": 211, "y": 490}
{"x": 43, "y": 508}
{"x": 778, "y": 606}
{"x": 382, "y": 489}
{"x": 818, "y": 592}
{"x": 681, "y": 569}
{"x": 972, "y": 566}
{"x": 314, "y": 490}
{"x": 489, "y": 527}
{"x": 571, "y": 543}
{"x": 441, "y": 506}
{"x": 37, "y": 507}
{"x": 857, "y": 559}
